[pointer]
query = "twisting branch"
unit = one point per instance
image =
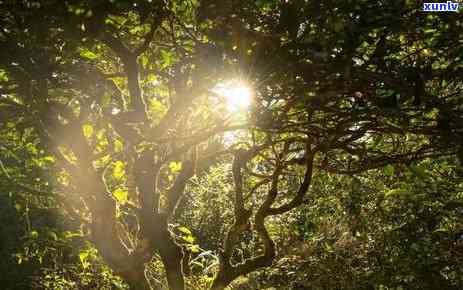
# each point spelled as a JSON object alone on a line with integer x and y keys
{"x": 242, "y": 214}
{"x": 176, "y": 191}
{"x": 129, "y": 59}
{"x": 146, "y": 172}
{"x": 298, "y": 199}
{"x": 269, "y": 253}
{"x": 238, "y": 164}
{"x": 228, "y": 272}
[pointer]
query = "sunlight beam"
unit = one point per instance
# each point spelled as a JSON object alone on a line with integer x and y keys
{"x": 237, "y": 95}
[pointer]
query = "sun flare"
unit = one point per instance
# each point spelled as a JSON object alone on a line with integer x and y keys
{"x": 237, "y": 95}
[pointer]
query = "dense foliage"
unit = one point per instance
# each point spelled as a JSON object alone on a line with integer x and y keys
{"x": 125, "y": 164}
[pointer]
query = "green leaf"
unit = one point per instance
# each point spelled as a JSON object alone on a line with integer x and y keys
{"x": 34, "y": 234}
{"x": 121, "y": 195}
{"x": 194, "y": 248}
{"x": 118, "y": 171}
{"x": 175, "y": 166}
{"x": 167, "y": 58}
{"x": 396, "y": 192}
{"x": 69, "y": 235}
{"x": 157, "y": 108}
{"x": 53, "y": 235}
{"x": 3, "y": 76}
{"x": 88, "y": 54}
{"x": 49, "y": 159}
{"x": 88, "y": 130}
{"x": 83, "y": 256}
{"x": 185, "y": 230}
{"x": 19, "y": 258}
{"x": 389, "y": 170}
{"x": 118, "y": 146}
{"x": 188, "y": 239}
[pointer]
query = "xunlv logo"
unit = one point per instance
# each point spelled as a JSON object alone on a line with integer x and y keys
{"x": 449, "y": 6}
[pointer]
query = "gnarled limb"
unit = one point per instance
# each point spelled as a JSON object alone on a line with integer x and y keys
{"x": 228, "y": 272}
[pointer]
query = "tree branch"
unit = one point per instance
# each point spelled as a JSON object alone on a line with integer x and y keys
{"x": 129, "y": 59}
{"x": 298, "y": 199}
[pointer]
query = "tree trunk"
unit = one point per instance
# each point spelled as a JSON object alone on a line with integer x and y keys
{"x": 136, "y": 278}
{"x": 138, "y": 282}
{"x": 221, "y": 281}
{"x": 217, "y": 286}
{"x": 172, "y": 255}
{"x": 155, "y": 228}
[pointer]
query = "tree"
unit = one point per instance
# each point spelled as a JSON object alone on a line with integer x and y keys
{"x": 121, "y": 96}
